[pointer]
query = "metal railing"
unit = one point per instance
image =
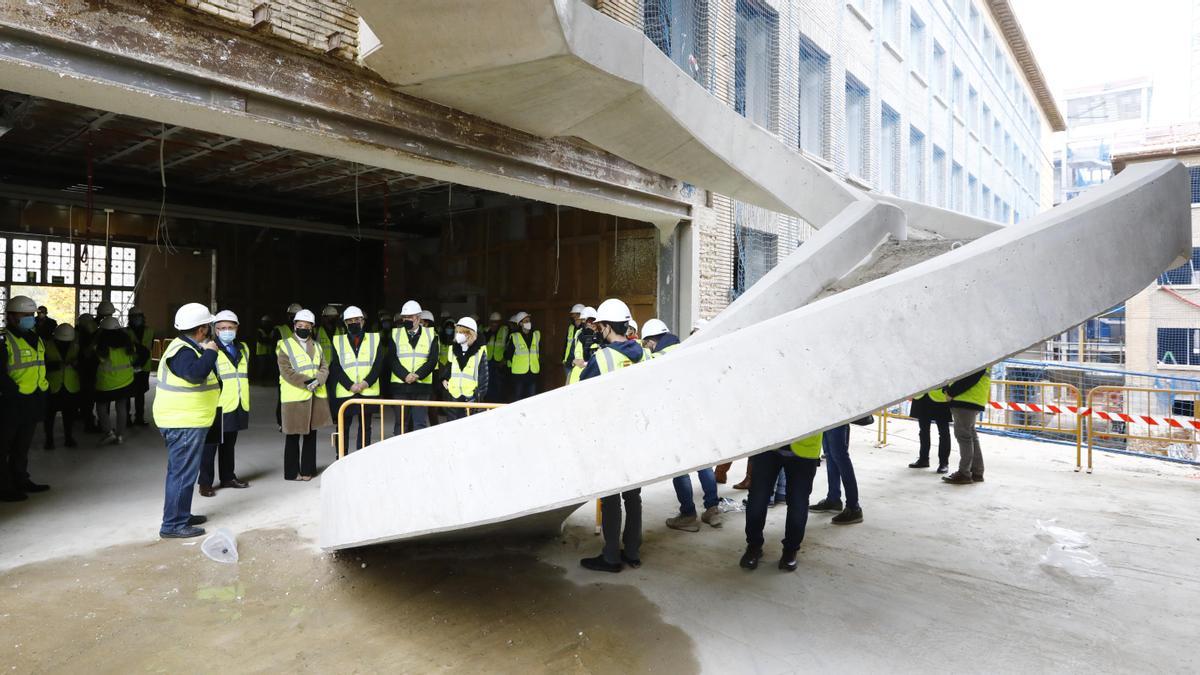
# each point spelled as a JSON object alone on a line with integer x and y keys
{"x": 1144, "y": 421}
{"x": 338, "y": 438}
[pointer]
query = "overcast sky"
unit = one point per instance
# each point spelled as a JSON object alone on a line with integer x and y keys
{"x": 1084, "y": 42}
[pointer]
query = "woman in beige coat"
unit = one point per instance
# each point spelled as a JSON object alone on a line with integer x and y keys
{"x": 302, "y": 375}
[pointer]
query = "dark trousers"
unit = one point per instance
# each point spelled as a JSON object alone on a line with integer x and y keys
{"x": 764, "y": 468}
{"x": 415, "y": 417}
{"x": 263, "y": 368}
{"x": 141, "y": 384}
{"x": 523, "y": 386}
{"x": 497, "y": 376}
{"x": 17, "y": 424}
{"x": 298, "y": 462}
{"x": 610, "y": 516}
{"x": 943, "y": 427}
{"x": 66, "y": 403}
{"x": 360, "y": 413}
{"x": 223, "y": 450}
{"x": 839, "y": 470}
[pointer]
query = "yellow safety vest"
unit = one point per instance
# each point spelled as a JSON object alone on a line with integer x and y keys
{"x": 27, "y": 364}
{"x": 114, "y": 371}
{"x": 147, "y": 342}
{"x": 527, "y": 357}
{"x": 443, "y": 354}
{"x": 497, "y": 344}
{"x": 179, "y": 404}
{"x": 808, "y": 447}
{"x": 285, "y": 332}
{"x": 263, "y": 347}
{"x": 464, "y": 382}
{"x": 572, "y": 331}
{"x": 66, "y": 376}
{"x": 609, "y": 359}
{"x": 303, "y": 364}
{"x": 412, "y": 358}
{"x": 235, "y": 380}
{"x": 979, "y": 393}
{"x": 325, "y": 339}
{"x": 357, "y": 366}
{"x": 662, "y": 352}
{"x": 576, "y": 371}
{"x": 938, "y": 395}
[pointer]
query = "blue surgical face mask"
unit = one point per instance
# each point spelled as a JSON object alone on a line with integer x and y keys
{"x": 27, "y": 323}
{"x": 227, "y": 336}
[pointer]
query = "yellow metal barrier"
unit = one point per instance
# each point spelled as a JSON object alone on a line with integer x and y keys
{"x": 383, "y": 404}
{"x": 1113, "y": 412}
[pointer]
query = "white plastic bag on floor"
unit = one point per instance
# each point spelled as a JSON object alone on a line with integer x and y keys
{"x": 220, "y": 546}
{"x": 1067, "y": 552}
{"x": 727, "y": 505}
{"x": 1061, "y": 535}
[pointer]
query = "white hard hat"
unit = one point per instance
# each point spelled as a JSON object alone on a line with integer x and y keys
{"x": 304, "y": 315}
{"x": 294, "y": 307}
{"x": 22, "y": 304}
{"x": 411, "y": 308}
{"x": 329, "y": 310}
{"x": 514, "y": 318}
{"x": 427, "y": 315}
{"x": 654, "y": 328}
{"x": 521, "y": 316}
{"x": 633, "y": 326}
{"x": 266, "y": 317}
{"x": 192, "y": 315}
{"x": 226, "y": 315}
{"x": 352, "y": 312}
{"x": 588, "y": 313}
{"x": 613, "y": 311}
{"x": 106, "y": 307}
{"x": 110, "y": 323}
{"x": 468, "y": 322}
{"x": 86, "y": 322}
{"x": 576, "y": 309}
{"x": 64, "y": 332}
{"x": 495, "y": 316}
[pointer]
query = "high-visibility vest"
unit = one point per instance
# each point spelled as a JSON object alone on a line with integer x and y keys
{"x": 325, "y": 339}
{"x": 179, "y": 404}
{"x": 443, "y": 354}
{"x": 808, "y": 447}
{"x": 27, "y": 364}
{"x": 464, "y": 381}
{"x": 357, "y": 366}
{"x": 662, "y": 352}
{"x": 114, "y": 371}
{"x": 577, "y": 354}
{"x": 979, "y": 393}
{"x": 303, "y": 364}
{"x": 147, "y": 341}
{"x": 527, "y": 356}
{"x": 263, "y": 346}
{"x": 497, "y": 343}
{"x": 609, "y": 359}
{"x": 412, "y": 358}
{"x": 938, "y": 395}
{"x": 66, "y": 376}
{"x": 235, "y": 380}
{"x": 572, "y": 331}
{"x": 285, "y": 332}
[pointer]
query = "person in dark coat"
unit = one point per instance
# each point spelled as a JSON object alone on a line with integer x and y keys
{"x": 927, "y": 411}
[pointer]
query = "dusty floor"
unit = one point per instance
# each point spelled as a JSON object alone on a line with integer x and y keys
{"x": 937, "y": 579}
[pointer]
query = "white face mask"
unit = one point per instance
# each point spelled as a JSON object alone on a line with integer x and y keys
{"x": 460, "y": 338}
{"x": 526, "y": 326}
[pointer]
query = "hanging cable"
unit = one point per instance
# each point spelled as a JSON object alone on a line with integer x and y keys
{"x": 162, "y": 229}
{"x": 90, "y": 204}
{"x": 557, "y": 245}
{"x": 357, "y": 220}
{"x": 450, "y": 210}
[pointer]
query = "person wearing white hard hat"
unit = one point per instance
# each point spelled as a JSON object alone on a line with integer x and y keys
{"x": 85, "y": 334}
{"x": 327, "y": 330}
{"x": 116, "y": 361}
{"x": 233, "y": 410}
{"x": 302, "y": 379}
{"x": 496, "y": 336}
{"x": 657, "y": 339}
{"x": 524, "y": 353}
{"x": 569, "y": 342}
{"x": 185, "y": 406}
{"x": 412, "y": 367}
{"x": 262, "y": 367}
{"x": 104, "y": 310}
{"x": 142, "y": 337}
{"x": 23, "y": 387}
{"x": 586, "y": 342}
{"x": 62, "y": 372}
{"x": 284, "y": 330}
{"x": 355, "y": 372}
{"x": 427, "y": 319}
{"x": 465, "y": 377}
{"x": 631, "y": 331}
{"x": 618, "y": 352}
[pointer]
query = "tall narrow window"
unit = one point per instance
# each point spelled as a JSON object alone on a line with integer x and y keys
{"x": 972, "y": 195}
{"x": 857, "y": 100}
{"x": 956, "y": 90}
{"x": 916, "y": 44}
{"x": 973, "y": 109}
{"x": 814, "y": 98}
{"x": 986, "y": 203}
{"x": 754, "y": 62}
{"x": 679, "y": 28}
{"x": 985, "y": 128}
{"x": 889, "y": 24}
{"x": 889, "y": 150}
{"x": 939, "y": 70}
{"x": 974, "y": 22}
{"x": 916, "y": 165}
{"x": 938, "y": 177}
{"x": 956, "y": 187}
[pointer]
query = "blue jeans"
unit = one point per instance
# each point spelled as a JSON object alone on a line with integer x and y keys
{"x": 838, "y": 468}
{"x": 184, "y": 449}
{"x": 800, "y": 471}
{"x": 683, "y": 491}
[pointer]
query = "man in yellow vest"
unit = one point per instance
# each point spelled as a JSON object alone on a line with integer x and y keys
{"x": 327, "y": 330}
{"x": 569, "y": 341}
{"x": 586, "y": 343}
{"x": 798, "y": 461}
{"x": 23, "y": 387}
{"x": 524, "y": 353}
{"x": 185, "y": 406}
{"x": 233, "y": 409}
{"x": 612, "y": 319}
{"x": 412, "y": 367}
{"x": 658, "y": 339}
{"x": 465, "y": 377}
{"x": 355, "y": 371}
{"x": 62, "y": 372}
{"x": 497, "y": 342}
{"x": 143, "y": 341}
{"x": 968, "y": 397}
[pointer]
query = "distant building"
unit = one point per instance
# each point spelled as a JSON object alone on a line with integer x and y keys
{"x": 1102, "y": 120}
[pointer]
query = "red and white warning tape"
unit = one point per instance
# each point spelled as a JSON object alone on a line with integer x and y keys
{"x": 1148, "y": 420}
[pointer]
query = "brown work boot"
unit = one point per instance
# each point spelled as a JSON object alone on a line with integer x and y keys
{"x": 744, "y": 485}
{"x": 958, "y": 478}
{"x": 722, "y": 472}
{"x": 712, "y": 516}
{"x": 686, "y": 523}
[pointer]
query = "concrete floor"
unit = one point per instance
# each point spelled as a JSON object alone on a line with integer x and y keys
{"x": 938, "y": 578}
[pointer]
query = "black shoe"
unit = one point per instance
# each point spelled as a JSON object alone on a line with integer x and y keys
{"x": 632, "y": 562}
{"x": 826, "y": 505}
{"x": 13, "y": 496}
{"x": 976, "y": 478}
{"x": 186, "y": 532}
{"x": 197, "y": 520}
{"x": 958, "y": 478}
{"x": 848, "y": 517}
{"x": 142, "y": 423}
{"x": 31, "y": 487}
{"x": 751, "y": 557}
{"x": 234, "y": 483}
{"x": 787, "y": 561}
{"x": 599, "y": 564}
{"x": 942, "y": 468}
{"x": 919, "y": 464}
